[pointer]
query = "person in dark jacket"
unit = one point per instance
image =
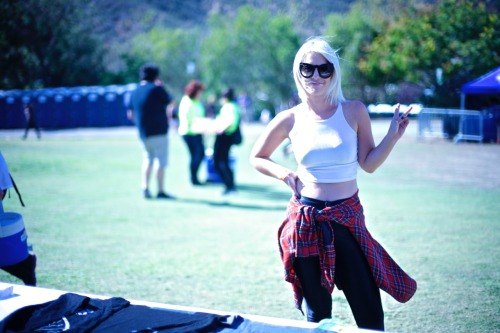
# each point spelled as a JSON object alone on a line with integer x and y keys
{"x": 148, "y": 109}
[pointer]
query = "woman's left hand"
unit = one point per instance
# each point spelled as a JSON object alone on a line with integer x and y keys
{"x": 399, "y": 123}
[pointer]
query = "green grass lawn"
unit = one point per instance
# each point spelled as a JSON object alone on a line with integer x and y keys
{"x": 434, "y": 205}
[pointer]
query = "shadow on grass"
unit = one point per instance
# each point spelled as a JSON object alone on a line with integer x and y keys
{"x": 249, "y": 196}
{"x": 264, "y": 191}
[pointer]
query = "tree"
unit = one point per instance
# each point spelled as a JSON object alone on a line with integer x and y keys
{"x": 48, "y": 43}
{"x": 459, "y": 38}
{"x": 351, "y": 33}
{"x": 252, "y": 53}
{"x": 175, "y": 51}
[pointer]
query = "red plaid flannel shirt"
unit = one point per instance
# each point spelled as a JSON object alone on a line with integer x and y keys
{"x": 301, "y": 236}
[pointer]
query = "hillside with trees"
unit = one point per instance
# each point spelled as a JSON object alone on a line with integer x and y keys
{"x": 390, "y": 50}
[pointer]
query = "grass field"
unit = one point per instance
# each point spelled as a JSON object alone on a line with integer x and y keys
{"x": 434, "y": 205}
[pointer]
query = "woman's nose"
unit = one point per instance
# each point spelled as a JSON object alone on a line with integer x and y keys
{"x": 316, "y": 73}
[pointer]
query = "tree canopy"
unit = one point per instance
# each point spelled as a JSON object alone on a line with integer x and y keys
{"x": 253, "y": 52}
{"x": 439, "y": 47}
{"x": 385, "y": 46}
{"x": 48, "y": 43}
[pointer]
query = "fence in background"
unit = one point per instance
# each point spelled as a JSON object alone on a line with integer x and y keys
{"x": 457, "y": 124}
{"x": 58, "y": 108}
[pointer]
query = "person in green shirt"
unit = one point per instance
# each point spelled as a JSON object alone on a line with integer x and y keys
{"x": 227, "y": 123}
{"x": 191, "y": 126}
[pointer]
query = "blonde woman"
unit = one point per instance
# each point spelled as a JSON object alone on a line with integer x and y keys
{"x": 323, "y": 240}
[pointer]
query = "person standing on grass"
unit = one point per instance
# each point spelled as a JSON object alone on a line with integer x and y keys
{"x": 227, "y": 123}
{"x": 148, "y": 109}
{"x": 323, "y": 240}
{"x": 192, "y": 123}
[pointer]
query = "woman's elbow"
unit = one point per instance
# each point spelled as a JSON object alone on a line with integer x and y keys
{"x": 254, "y": 160}
{"x": 368, "y": 168}
{"x": 259, "y": 163}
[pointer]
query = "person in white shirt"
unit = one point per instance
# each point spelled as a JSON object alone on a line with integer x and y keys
{"x": 323, "y": 240}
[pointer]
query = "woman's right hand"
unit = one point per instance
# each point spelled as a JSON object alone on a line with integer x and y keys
{"x": 293, "y": 181}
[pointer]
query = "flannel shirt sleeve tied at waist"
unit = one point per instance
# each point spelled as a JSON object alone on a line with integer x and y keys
{"x": 301, "y": 235}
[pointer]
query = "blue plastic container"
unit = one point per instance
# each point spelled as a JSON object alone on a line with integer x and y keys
{"x": 212, "y": 175}
{"x": 13, "y": 239}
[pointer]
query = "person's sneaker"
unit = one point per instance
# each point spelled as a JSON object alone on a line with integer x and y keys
{"x": 163, "y": 195}
{"x": 147, "y": 194}
{"x": 229, "y": 191}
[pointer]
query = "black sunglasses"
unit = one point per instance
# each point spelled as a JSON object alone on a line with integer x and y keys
{"x": 324, "y": 70}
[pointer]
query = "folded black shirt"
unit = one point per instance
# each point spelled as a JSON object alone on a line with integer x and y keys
{"x": 76, "y": 313}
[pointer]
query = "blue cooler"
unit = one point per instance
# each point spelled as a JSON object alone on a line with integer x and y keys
{"x": 13, "y": 239}
{"x": 212, "y": 175}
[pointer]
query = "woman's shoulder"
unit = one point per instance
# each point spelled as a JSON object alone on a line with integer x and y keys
{"x": 283, "y": 122}
{"x": 185, "y": 104}
{"x": 288, "y": 115}
{"x": 294, "y": 110}
{"x": 354, "y": 112}
{"x": 354, "y": 108}
{"x": 353, "y": 105}
{"x": 185, "y": 99}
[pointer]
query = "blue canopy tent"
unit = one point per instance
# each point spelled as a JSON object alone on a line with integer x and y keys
{"x": 488, "y": 84}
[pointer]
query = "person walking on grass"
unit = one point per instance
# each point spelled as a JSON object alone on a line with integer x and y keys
{"x": 324, "y": 240}
{"x": 148, "y": 109}
{"x": 31, "y": 120}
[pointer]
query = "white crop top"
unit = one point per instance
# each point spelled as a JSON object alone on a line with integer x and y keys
{"x": 326, "y": 150}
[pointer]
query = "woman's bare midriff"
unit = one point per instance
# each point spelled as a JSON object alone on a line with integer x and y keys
{"x": 329, "y": 191}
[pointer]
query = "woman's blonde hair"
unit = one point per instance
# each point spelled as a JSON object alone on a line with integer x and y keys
{"x": 321, "y": 46}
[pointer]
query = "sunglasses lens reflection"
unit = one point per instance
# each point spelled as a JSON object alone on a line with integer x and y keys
{"x": 324, "y": 70}
{"x": 306, "y": 70}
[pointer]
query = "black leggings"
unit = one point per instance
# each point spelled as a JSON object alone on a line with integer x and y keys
{"x": 222, "y": 147}
{"x": 197, "y": 152}
{"x": 352, "y": 275}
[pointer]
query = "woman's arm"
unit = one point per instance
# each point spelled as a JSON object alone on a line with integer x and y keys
{"x": 370, "y": 157}
{"x": 274, "y": 134}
